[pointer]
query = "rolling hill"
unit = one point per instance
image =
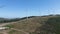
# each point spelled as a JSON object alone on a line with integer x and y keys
{"x": 36, "y": 25}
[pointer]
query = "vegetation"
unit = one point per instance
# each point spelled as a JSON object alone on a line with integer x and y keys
{"x": 10, "y": 26}
{"x": 51, "y": 26}
{"x": 37, "y": 25}
{"x": 11, "y": 32}
{"x": 30, "y": 24}
{"x": 5, "y": 20}
{"x": 55, "y": 24}
{"x": 15, "y": 32}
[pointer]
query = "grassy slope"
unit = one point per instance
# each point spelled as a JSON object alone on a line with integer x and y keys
{"x": 29, "y": 25}
{"x": 52, "y": 26}
{"x": 15, "y": 32}
{"x": 36, "y": 25}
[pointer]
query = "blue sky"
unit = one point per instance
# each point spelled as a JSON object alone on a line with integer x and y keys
{"x": 22, "y": 8}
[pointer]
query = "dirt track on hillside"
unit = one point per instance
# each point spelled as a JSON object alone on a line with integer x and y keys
{"x": 3, "y": 24}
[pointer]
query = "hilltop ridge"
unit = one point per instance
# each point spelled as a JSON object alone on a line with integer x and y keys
{"x": 49, "y": 24}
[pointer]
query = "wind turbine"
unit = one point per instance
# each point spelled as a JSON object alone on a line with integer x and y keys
{"x": 27, "y": 14}
{"x": 51, "y": 11}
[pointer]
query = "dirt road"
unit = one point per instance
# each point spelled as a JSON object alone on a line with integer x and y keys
{"x": 3, "y": 24}
{"x": 20, "y": 30}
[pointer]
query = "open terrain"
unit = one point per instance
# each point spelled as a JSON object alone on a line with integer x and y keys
{"x": 34, "y": 25}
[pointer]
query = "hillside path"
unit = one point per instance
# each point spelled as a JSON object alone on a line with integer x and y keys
{"x": 3, "y": 24}
{"x": 19, "y": 30}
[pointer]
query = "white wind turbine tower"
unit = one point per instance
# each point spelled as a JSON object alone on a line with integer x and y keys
{"x": 48, "y": 12}
{"x": 27, "y": 14}
{"x": 51, "y": 11}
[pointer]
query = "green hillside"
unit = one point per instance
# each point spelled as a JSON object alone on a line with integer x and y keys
{"x": 52, "y": 26}
{"x": 38, "y": 25}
